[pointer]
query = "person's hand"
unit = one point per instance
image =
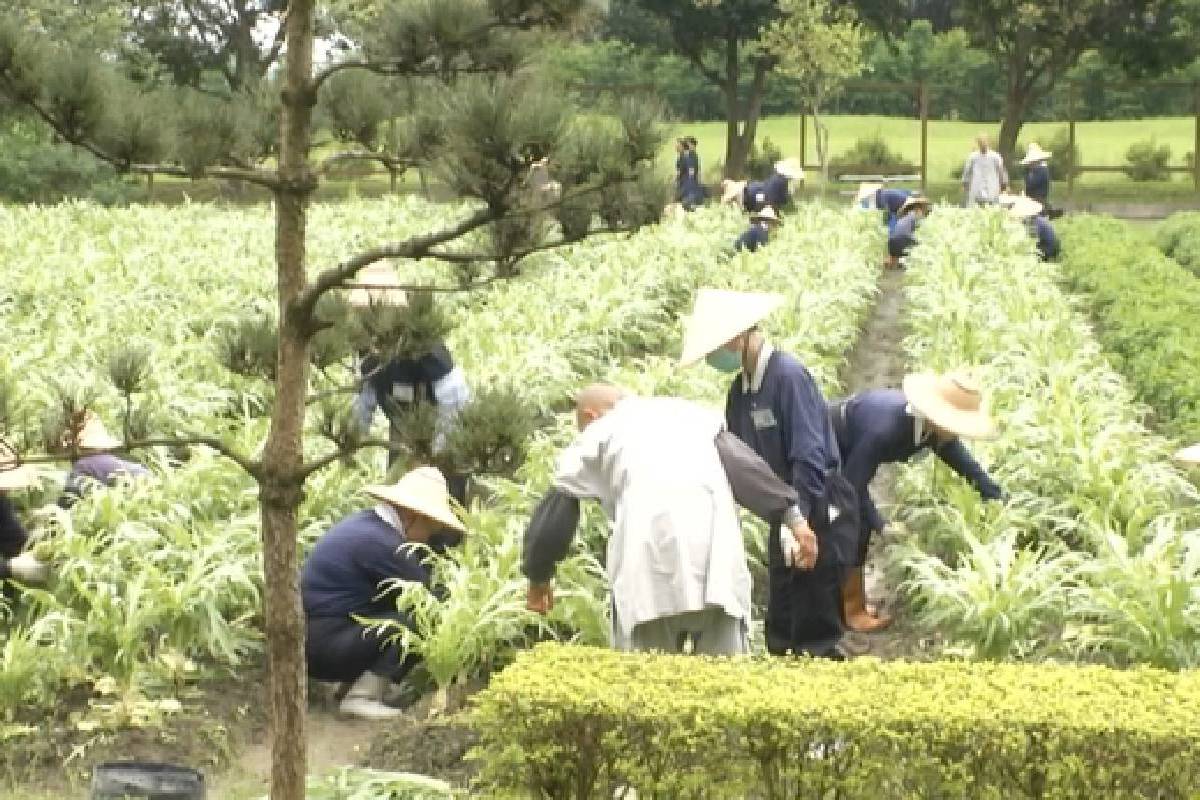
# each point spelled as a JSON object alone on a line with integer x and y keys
{"x": 540, "y": 597}
{"x": 28, "y": 569}
{"x": 799, "y": 545}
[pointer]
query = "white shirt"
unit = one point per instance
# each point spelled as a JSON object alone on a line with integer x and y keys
{"x": 760, "y": 369}
{"x": 676, "y": 543}
{"x": 984, "y": 176}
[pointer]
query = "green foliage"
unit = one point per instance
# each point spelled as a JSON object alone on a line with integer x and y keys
{"x": 1179, "y": 237}
{"x": 249, "y": 347}
{"x": 1147, "y": 161}
{"x": 573, "y": 722}
{"x": 870, "y": 155}
{"x": 763, "y": 156}
{"x": 358, "y": 783}
{"x": 36, "y": 171}
{"x": 1145, "y": 304}
{"x": 490, "y": 435}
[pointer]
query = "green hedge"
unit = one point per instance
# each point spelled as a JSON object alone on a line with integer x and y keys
{"x": 1179, "y": 237}
{"x": 1147, "y": 309}
{"x": 575, "y": 722}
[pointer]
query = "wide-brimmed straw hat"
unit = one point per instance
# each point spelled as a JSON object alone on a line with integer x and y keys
{"x": 1020, "y": 206}
{"x": 731, "y": 191}
{"x": 1035, "y": 153}
{"x": 14, "y": 475}
{"x": 1189, "y": 455}
{"x": 913, "y": 201}
{"x": 719, "y": 315}
{"x": 377, "y": 285}
{"x": 423, "y": 491}
{"x": 865, "y": 190}
{"x": 790, "y": 168}
{"x": 94, "y": 436}
{"x": 767, "y": 214}
{"x": 953, "y": 402}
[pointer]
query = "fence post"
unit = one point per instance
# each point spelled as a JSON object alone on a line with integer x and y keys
{"x": 1196, "y": 142}
{"x": 803, "y": 140}
{"x": 923, "y": 109}
{"x": 1071, "y": 140}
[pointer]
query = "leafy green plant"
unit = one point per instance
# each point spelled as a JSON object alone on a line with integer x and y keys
{"x": 1178, "y": 236}
{"x": 1148, "y": 160}
{"x": 870, "y": 155}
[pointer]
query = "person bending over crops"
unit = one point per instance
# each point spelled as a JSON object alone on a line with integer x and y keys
{"x": 401, "y": 383}
{"x": 1031, "y": 213}
{"x": 903, "y": 234}
{"x": 775, "y": 191}
{"x": 345, "y": 587}
{"x": 759, "y": 232}
{"x": 95, "y": 468}
{"x": 776, "y": 407}
{"x": 877, "y": 197}
{"x": 885, "y": 426}
{"x": 15, "y": 564}
{"x": 667, "y": 476}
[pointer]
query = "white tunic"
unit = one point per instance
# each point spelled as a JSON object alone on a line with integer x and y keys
{"x": 676, "y": 543}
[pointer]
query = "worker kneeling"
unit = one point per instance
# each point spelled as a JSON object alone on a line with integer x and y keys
{"x": 345, "y": 599}
{"x": 667, "y": 476}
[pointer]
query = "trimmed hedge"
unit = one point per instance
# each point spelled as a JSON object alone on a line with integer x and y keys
{"x": 1146, "y": 306}
{"x": 576, "y": 722}
{"x": 1178, "y": 236}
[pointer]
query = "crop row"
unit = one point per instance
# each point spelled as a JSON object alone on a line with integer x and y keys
{"x": 1179, "y": 238}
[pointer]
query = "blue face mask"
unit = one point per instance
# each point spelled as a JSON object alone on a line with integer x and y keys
{"x": 724, "y": 360}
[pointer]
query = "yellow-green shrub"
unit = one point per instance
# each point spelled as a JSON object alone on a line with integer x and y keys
{"x": 575, "y": 722}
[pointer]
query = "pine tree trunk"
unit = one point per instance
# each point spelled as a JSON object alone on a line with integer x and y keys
{"x": 280, "y": 486}
{"x": 1016, "y": 100}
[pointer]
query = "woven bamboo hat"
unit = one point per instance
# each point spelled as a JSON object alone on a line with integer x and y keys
{"x": 790, "y": 168}
{"x": 1019, "y": 206}
{"x": 1189, "y": 455}
{"x": 719, "y": 315}
{"x": 953, "y": 402}
{"x": 767, "y": 214}
{"x": 424, "y": 491}
{"x": 731, "y": 191}
{"x": 14, "y": 475}
{"x": 377, "y": 285}
{"x": 94, "y": 436}
{"x": 915, "y": 200}
{"x": 865, "y": 190}
{"x": 1034, "y": 153}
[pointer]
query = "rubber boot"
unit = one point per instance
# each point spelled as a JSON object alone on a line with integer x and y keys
{"x": 365, "y": 699}
{"x": 854, "y": 605}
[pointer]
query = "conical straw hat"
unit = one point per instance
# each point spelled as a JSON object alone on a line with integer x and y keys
{"x": 865, "y": 190}
{"x": 377, "y": 285}
{"x": 953, "y": 402}
{"x": 914, "y": 201}
{"x": 1035, "y": 153}
{"x": 1020, "y": 206}
{"x": 719, "y": 315}
{"x": 424, "y": 491}
{"x": 790, "y": 168}
{"x": 14, "y": 475}
{"x": 94, "y": 436}
{"x": 1189, "y": 455}
{"x": 731, "y": 191}
{"x": 766, "y": 215}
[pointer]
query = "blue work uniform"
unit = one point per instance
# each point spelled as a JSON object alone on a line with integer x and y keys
{"x": 102, "y": 469}
{"x": 903, "y": 235}
{"x": 875, "y": 427}
{"x": 1047, "y": 240}
{"x": 343, "y": 576}
{"x": 774, "y": 192}
{"x": 782, "y": 415}
{"x": 754, "y": 237}
{"x": 691, "y": 192}
{"x": 890, "y": 201}
{"x": 12, "y": 535}
{"x": 1037, "y": 182}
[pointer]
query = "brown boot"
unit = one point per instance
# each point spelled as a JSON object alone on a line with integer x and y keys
{"x": 854, "y": 605}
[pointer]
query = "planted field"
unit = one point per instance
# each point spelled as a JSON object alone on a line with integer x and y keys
{"x": 1179, "y": 237}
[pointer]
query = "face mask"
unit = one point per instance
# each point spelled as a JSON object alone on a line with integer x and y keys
{"x": 723, "y": 360}
{"x": 442, "y": 541}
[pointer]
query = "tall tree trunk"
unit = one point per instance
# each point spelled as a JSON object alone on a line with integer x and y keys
{"x": 736, "y": 152}
{"x": 1016, "y": 100}
{"x": 280, "y": 485}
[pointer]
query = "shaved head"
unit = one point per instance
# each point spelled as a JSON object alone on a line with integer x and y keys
{"x": 982, "y": 141}
{"x": 595, "y": 401}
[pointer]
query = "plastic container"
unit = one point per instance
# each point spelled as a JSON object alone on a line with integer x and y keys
{"x": 142, "y": 780}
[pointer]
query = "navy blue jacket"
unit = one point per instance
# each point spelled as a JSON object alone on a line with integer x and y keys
{"x": 1037, "y": 182}
{"x": 408, "y": 375}
{"x": 774, "y": 192}
{"x": 342, "y": 574}
{"x": 902, "y": 236}
{"x": 12, "y": 535}
{"x": 102, "y": 468}
{"x": 787, "y": 423}
{"x": 877, "y": 430}
{"x": 891, "y": 200}
{"x": 755, "y": 237}
{"x": 1047, "y": 240}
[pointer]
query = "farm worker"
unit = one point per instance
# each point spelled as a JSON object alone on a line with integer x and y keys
{"x": 543, "y": 189}
{"x": 15, "y": 564}
{"x": 776, "y": 407}
{"x": 758, "y": 234}
{"x": 876, "y": 196}
{"x": 932, "y": 413}
{"x": 1037, "y": 173}
{"x": 1189, "y": 455}
{"x": 667, "y": 475}
{"x": 95, "y": 467}
{"x": 984, "y": 176}
{"x": 345, "y": 592}
{"x": 775, "y": 191}
{"x": 403, "y": 382}
{"x": 689, "y": 191}
{"x": 1030, "y": 212}
{"x": 902, "y": 236}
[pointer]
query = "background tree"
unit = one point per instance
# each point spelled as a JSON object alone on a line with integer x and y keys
{"x": 488, "y": 120}
{"x": 821, "y": 47}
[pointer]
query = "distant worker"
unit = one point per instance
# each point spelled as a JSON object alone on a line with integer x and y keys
{"x": 775, "y": 191}
{"x": 886, "y": 426}
{"x": 667, "y": 475}
{"x": 1031, "y": 213}
{"x": 984, "y": 176}
{"x": 877, "y": 197}
{"x": 689, "y": 190}
{"x": 1037, "y": 174}
{"x": 95, "y": 467}
{"x": 903, "y": 234}
{"x": 345, "y": 589}
{"x": 758, "y": 234}
{"x": 14, "y": 563}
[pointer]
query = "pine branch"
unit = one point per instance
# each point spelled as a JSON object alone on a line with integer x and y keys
{"x": 250, "y": 466}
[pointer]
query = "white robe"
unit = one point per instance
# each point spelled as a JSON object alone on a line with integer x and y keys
{"x": 676, "y": 543}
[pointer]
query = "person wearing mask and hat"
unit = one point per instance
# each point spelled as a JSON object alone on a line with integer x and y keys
{"x": 1037, "y": 174}
{"x": 931, "y": 414}
{"x": 902, "y": 237}
{"x": 984, "y": 176}
{"x": 1029, "y": 211}
{"x": 14, "y": 563}
{"x": 346, "y": 591}
{"x": 758, "y": 234}
{"x": 667, "y": 475}
{"x": 877, "y": 197}
{"x": 775, "y": 191}
{"x": 405, "y": 381}
{"x": 96, "y": 467}
{"x": 775, "y": 406}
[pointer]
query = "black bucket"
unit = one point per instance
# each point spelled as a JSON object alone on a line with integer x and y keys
{"x": 141, "y": 780}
